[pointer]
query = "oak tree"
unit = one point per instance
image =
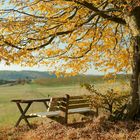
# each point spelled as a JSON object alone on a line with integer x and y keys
{"x": 72, "y": 35}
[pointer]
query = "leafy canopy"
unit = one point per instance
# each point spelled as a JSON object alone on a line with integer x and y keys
{"x": 67, "y": 35}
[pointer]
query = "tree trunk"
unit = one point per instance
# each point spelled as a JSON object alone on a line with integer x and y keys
{"x": 134, "y": 110}
{"x": 134, "y": 24}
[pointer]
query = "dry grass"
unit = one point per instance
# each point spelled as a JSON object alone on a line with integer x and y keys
{"x": 98, "y": 129}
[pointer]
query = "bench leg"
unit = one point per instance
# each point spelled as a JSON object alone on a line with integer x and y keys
{"x": 66, "y": 118}
{"x": 23, "y": 116}
{"x": 46, "y": 105}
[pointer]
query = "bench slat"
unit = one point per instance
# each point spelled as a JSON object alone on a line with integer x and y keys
{"x": 46, "y": 114}
{"x": 76, "y": 97}
{"x": 79, "y": 110}
{"x": 62, "y": 103}
{"x": 80, "y": 97}
{"x": 78, "y": 106}
{"x": 62, "y": 108}
{"x": 78, "y": 101}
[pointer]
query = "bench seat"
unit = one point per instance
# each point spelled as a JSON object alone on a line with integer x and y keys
{"x": 46, "y": 114}
{"x": 57, "y": 113}
{"x": 79, "y": 110}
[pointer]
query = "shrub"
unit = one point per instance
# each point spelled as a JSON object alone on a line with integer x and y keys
{"x": 112, "y": 102}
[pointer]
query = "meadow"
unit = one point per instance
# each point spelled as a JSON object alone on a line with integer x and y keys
{"x": 38, "y": 89}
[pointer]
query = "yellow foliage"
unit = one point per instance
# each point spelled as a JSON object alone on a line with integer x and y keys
{"x": 68, "y": 35}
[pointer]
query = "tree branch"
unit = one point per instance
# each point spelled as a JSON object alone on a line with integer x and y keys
{"x": 31, "y": 49}
{"x": 100, "y": 13}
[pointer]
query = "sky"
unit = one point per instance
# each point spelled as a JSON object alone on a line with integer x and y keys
{"x": 36, "y": 68}
{"x": 39, "y": 68}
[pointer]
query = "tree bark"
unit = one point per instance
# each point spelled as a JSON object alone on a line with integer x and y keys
{"x": 134, "y": 24}
{"x": 134, "y": 109}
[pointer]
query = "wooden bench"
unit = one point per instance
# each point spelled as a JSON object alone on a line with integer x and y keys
{"x": 54, "y": 107}
{"x": 74, "y": 104}
{"x": 50, "y": 111}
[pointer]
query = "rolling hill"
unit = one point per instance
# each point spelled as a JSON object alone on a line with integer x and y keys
{"x": 45, "y": 78}
{"x": 13, "y": 75}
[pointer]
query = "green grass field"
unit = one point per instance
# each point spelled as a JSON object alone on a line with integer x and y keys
{"x": 9, "y": 112}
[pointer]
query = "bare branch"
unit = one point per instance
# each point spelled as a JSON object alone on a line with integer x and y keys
{"x": 100, "y": 13}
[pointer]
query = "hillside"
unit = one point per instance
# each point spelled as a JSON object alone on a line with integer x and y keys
{"x": 45, "y": 78}
{"x": 13, "y": 75}
{"x": 79, "y": 79}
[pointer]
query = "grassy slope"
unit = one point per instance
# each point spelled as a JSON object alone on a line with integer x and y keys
{"x": 80, "y": 79}
{"x": 8, "y": 110}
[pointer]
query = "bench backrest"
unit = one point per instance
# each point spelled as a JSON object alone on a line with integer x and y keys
{"x": 54, "y": 103}
{"x": 72, "y": 102}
